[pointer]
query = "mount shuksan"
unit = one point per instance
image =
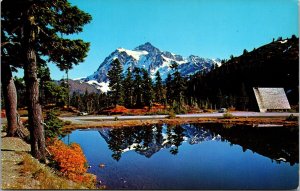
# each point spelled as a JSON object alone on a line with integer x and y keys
{"x": 152, "y": 59}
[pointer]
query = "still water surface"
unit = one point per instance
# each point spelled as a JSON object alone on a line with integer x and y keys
{"x": 192, "y": 156}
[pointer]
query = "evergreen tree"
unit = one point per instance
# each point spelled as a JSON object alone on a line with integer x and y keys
{"x": 96, "y": 104}
{"x": 244, "y": 97}
{"x": 220, "y": 99}
{"x": 10, "y": 60}
{"x": 20, "y": 86}
{"x": 37, "y": 24}
{"x": 147, "y": 89}
{"x": 74, "y": 100}
{"x": 137, "y": 85}
{"x": 55, "y": 93}
{"x": 115, "y": 77}
{"x": 50, "y": 91}
{"x": 178, "y": 86}
{"x": 158, "y": 89}
{"x": 102, "y": 100}
{"x": 62, "y": 93}
{"x": 245, "y": 52}
{"x": 128, "y": 89}
{"x": 43, "y": 74}
{"x": 85, "y": 100}
{"x": 81, "y": 100}
{"x": 169, "y": 89}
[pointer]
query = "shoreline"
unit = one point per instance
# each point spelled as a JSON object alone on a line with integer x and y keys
{"x": 261, "y": 122}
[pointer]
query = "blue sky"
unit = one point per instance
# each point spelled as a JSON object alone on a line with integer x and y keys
{"x": 207, "y": 28}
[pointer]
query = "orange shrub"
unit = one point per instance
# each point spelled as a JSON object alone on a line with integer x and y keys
{"x": 71, "y": 161}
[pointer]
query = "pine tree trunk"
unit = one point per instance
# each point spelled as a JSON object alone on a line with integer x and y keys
{"x": 35, "y": 116}
{"x": 10, "y": 97}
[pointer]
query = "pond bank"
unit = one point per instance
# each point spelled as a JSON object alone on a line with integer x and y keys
{"x": 21, "y": 171}
{"x": 254, "y": 121}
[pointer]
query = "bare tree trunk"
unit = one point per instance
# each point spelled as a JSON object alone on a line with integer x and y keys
{"x": 10, "y": 97}
{"x": 68, "y": 87}
{"x": 35, "y": 117}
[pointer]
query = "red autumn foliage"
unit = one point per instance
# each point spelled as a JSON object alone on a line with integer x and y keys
{"x": 3, "y": 113}
{"x": 71, "y": 161}
{"x": 118, "y": 109}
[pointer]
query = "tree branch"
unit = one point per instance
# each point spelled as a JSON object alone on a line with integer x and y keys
{"x": 4, "y": 43}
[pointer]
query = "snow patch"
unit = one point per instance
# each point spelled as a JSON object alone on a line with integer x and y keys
{"x": 81, "y": 78}
{"x": 102, "y": 86}
{"x": 287, "y": 49}
{"x": 93, "y": 82}
{"x": 131, "y": 147}
{"x": 217, "y": 62}
{"x": 169, "y": 60}
{"x": 283, "y": 41}
{"x": 135, "y": 54}
{"x": 181, "y": 62}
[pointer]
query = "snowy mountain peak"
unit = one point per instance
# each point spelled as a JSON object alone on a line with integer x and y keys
{"x": 152, "y": 59}
{"x": 148, "y": 47}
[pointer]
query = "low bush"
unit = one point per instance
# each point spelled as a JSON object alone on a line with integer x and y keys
{"x": 172, "y": 114}
{"x": 227, "y": 115}
{"x": 67, "y": 123}
{"x": 161, "y": 112}
{"x": 292, "y": 118}
{"x": 179, "y": 108}
{"x": 71, "y": 161}
{"x": 3, "y": 128}
{"x": 53, "y": 125}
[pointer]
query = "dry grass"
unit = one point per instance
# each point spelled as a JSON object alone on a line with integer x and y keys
{"x": 177, "y": 121}
{"x": 42, "y": 177}
{"x": 227, "y": 115}
{"x": 23, "y": 112}
{"x": 21, "y": 171}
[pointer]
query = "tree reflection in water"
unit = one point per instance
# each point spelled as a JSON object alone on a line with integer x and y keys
{"x": 175, "y": 137}
{"x": 145, "y": 140}
{"x": 278, "y": 143}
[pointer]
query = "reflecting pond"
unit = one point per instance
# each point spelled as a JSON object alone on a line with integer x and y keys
{"x": 192, "y": 156}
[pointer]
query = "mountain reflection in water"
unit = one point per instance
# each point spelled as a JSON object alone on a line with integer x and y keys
{"x": 277, "y": 143}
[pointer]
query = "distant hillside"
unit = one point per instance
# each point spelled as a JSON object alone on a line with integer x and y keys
{"x": 80, "y": 87}
{"x": 273, "y": 65}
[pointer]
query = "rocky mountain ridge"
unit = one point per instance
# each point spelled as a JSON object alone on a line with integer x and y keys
{"x": 152, "y": 59}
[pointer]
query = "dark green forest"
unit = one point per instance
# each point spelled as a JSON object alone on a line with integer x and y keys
{"x": 273, "y": 65}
